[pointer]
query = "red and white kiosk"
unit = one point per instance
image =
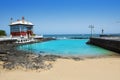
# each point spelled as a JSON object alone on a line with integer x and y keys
{"x": 21, "y": 28}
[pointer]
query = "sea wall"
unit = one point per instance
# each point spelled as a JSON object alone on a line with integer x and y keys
{"x": 113, "y": 45}
{"x": 7, "y": 41}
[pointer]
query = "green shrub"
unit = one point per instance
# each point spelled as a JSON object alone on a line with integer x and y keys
{"x": 2, "y": 33}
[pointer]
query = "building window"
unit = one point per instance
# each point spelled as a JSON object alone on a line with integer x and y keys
{"x": 15, "y": 29}
{"x": 23, "y": 28}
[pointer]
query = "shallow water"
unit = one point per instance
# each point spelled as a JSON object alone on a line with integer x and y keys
{"x": 66, "y": 47}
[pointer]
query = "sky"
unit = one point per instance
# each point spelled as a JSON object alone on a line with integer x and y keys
{"x": 63, "y": 16}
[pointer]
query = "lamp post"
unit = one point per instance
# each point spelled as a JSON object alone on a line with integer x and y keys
{"x": 91, "y": 27}
{"x": 102, "y": 31}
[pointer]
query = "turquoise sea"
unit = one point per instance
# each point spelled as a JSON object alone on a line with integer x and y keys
{"x": 66, "y": 47}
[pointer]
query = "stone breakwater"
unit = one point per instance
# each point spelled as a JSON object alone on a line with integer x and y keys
{"x": 107, "y": 43}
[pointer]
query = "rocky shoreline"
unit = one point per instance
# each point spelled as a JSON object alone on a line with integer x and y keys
{"x": 13, "y": 58}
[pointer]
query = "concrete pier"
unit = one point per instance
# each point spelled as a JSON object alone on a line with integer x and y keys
{"x": 110, "y": 43}
{"x": 7, "y": 41}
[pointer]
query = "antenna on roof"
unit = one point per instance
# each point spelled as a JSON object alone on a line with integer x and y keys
{"x": 18, "y": 20}
{"x": 11, "y": 20}
{"x": 23, "y": 19}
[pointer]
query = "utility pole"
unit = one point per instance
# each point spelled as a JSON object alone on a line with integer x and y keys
{"x": 91, "y": 27}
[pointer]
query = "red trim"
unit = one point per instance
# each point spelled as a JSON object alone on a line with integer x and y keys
{"x": 18, "y": 33}
{"x": 29, "y": 32}
{"x": 23, "y": 33}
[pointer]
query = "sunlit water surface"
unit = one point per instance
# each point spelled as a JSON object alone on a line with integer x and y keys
{"x": 65, "y": 47}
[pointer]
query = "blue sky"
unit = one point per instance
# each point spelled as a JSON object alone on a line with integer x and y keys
{"x": 63, "y": 16}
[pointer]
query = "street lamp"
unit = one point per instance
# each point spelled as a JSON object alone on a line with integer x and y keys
{"x": 91, "y": 27}
{"x": 102, "y": 31}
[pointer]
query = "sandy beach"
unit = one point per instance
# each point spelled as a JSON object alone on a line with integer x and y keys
{"x": 69, "y": 69}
